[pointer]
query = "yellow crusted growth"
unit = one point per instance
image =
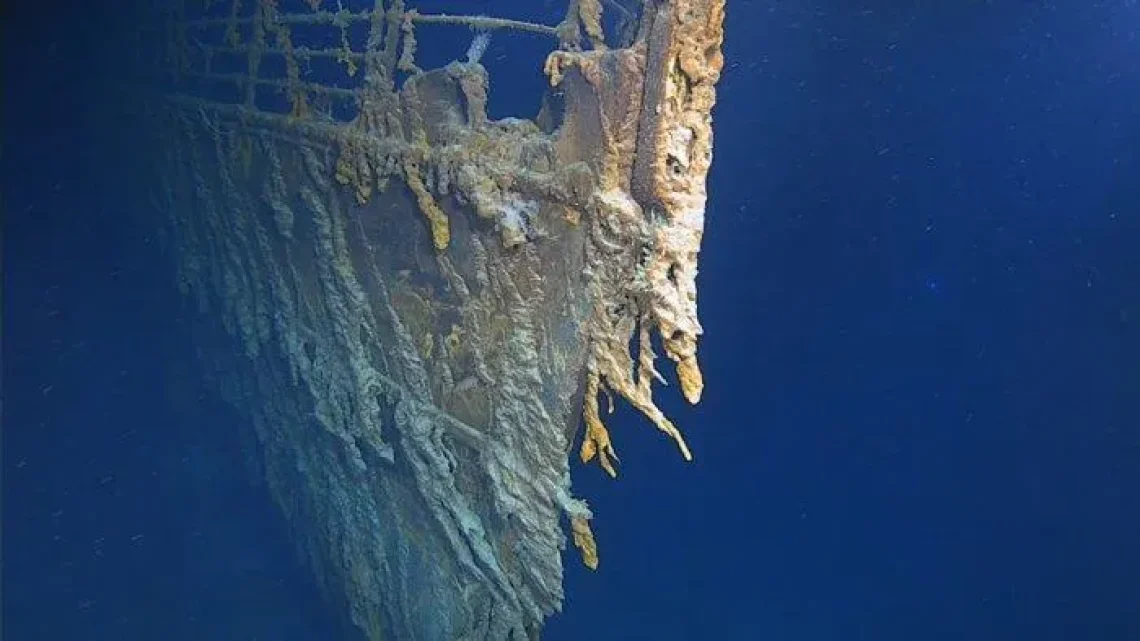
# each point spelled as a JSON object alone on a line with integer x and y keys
{"x": 590, "y": 13}
{"x": 453, "y": 340}
{"x": 572, "y": 216}
{"x": 597, "y": 439}
{"x": 555, "y": 66}
{"x": 584, "y": 541}
{"x": 353, "y": 168}
{"x": 692, "y": 382}
{"x": 625, "y": 311}
{"x": 674, "y": 152}
{"x": 440, "y": 232}
{"x": 610, "y": 362}
{"x": 407, "y": 61}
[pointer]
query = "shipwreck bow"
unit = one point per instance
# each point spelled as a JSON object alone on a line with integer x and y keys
{"x": 421, "y": 304}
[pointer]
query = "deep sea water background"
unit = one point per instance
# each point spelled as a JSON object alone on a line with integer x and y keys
{"x": 921, "y": 289}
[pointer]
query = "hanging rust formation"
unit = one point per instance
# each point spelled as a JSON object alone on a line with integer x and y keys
{"x": 422, "y": 304}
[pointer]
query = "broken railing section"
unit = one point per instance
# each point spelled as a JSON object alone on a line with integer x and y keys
{"x": 256, "y": 30}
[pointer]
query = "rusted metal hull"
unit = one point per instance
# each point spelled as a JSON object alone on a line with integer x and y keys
{"x": 421, "y": 303}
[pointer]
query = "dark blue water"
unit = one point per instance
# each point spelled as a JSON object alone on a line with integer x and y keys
{"x": 921, "y": 290}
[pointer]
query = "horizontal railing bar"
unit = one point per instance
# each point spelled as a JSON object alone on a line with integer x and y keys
{"x": 317, "y": 17}
{"x": 300, "y": 52}
{"x": 241, "y": 79}
{"x": 485, "y": 23}
{"x": 339, "y": 18}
